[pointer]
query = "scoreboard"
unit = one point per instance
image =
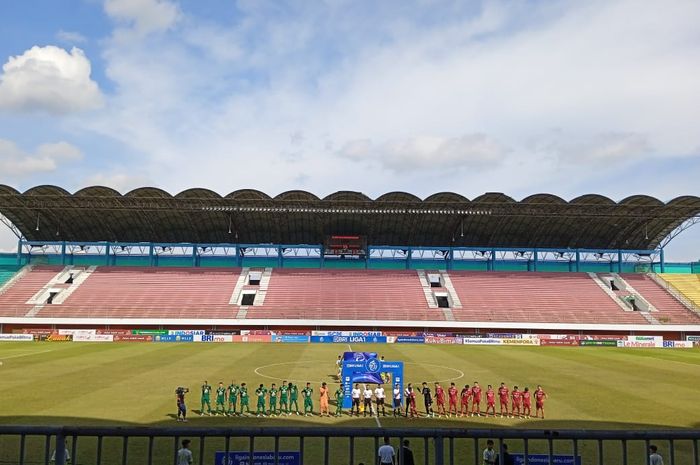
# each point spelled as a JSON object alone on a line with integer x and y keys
{"x": 345, "y": 245}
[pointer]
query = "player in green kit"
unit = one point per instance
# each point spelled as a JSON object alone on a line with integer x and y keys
{"x": 220, "y": 399}
{"x": 206, "y": 398}
{"x": 261, "y": 392}
{"x": 293, "y": 396}
{"x": 284, "y": 396}
{"x": 339, "y": 397}
{"x": 307, "y": 392}
{"x": 232, "y": 398}
{"x": 244, "y": 398}
{"x": 273, "y": 399}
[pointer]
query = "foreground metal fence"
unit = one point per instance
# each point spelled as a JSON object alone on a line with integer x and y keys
{"x": 438, "y": 446}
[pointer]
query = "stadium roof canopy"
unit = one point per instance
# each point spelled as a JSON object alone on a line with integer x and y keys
{"x": 49, "y": 213}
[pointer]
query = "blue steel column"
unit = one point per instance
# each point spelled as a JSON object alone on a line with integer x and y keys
{"x": 535, "y": 257}
{"x": 619, "y": 261}
{"x": 578, "y": 261}
{"x": 107, "y": 254}
{"x": 663, "y": 262}
{"x": 239, "y": 257}
{"x": 150, "y": 255}
{"x": 194, "y": 255}
{"x": 409, "y": 258}
{"x": 279, "y": 257}
{"x": 321, "y": 256}
{"x": 63, "y": 253}
{"x": 450, "y": 259}
{"x": 493, "y": 259}
{"x": 19, "y": 252}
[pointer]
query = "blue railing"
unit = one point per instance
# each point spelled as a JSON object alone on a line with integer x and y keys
{"x": 440, "y": 446}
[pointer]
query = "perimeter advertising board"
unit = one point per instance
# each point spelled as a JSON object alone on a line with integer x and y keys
{"x": 16, "y": 337}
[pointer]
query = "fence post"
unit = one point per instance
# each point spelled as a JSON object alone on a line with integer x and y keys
{"x": 60, "y": 448}
{"x": 439, "y": 450}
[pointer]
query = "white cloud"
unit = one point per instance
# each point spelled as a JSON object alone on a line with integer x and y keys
{"x": 46, "y": 158}
{"x": 71, "y": 37}
{"x": 471, "y": 151}
{"x": 122, "y": 182}
{"x": 49, "y": 79}
{"x": 145, "y": 16}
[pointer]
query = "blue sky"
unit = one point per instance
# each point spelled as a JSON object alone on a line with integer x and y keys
{"x": 521, "y": 97}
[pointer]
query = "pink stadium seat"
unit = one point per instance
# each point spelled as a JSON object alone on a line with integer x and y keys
{"x": 536, "y": 297}
{"x": 670, "y": 311}
{"x": 345, "y": 294}
{"x": 13, "y": 301}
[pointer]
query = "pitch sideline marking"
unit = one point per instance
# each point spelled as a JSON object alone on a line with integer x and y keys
{"x": 27, "y": 354}
{"x": 377, "y": 418}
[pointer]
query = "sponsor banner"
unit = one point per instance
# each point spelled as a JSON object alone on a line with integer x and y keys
{"x": 493, "y": 341}
{"x": 77, "y": 331}
{"x": 115, "y": 332}
{"x": 21, "y": 337}
{"x": 640, "y": 344}
{"x": 294, "y": 338}
{"x": 212, "y": 338}
{"x": 133, "y": 338}
{"x": 253, "y": 338}
{"x": 259, "y": 458}
{"x": 346, "y": 333}
{"x": 442, "y": 340}
{"x": 693, "y": 338}
{"x": 173, "y": 338}
{"x": 34, "y": 331}
{"x": 162, "y": 332}
{"x": 230, "y": 332}
{"x": 349, "y": 339}
{"x": 543, "y": 459}
{"x": 401, "y": 333}
{"x": 55, "y": 337}
{"x": 410, "y": 339}
{"x": 185, "y": 332}
{"x": 438, "y": 334}
{"x": 256, "y": 332}
{"x": 80, "y": 337}
{"x": 655, "y": 339}
{"x": 598, "y": 342}
{"x": 521, "y": 342}
{"x": 678, "y": 344}
{"x": 506, "y": 335}
{"x": 558, "y": 342}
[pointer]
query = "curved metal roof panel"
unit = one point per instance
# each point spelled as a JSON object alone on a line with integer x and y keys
{"x": 149, "y": 214}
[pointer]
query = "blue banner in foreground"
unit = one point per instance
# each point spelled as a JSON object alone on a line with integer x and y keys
{"x": 259, "y": 458}
{"x": 349, "y": 339}
{"x": 543, "y": 459}
{"x": 290, "y": 338}
{"x": 173, "y": 338}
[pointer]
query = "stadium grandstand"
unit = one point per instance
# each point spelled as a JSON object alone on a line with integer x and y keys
{"x": 346, "y": 260}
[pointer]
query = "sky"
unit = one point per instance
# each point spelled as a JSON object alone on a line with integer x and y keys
{"x": 521, "y": 97}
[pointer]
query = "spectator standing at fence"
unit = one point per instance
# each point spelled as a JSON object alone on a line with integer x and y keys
{"x": 386, "y": 453}
{"x": 654, "y": 456}
{"x": 489, "y": 454}
{"x": 507, "y": 458}
{"x": 184, "y": 455}
{"x": 407, "y": 458}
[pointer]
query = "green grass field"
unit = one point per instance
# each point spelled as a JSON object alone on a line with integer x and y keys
{"x": 133, "y": 383}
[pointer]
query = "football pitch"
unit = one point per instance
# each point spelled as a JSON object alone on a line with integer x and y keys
{"x": 133, "y": 384}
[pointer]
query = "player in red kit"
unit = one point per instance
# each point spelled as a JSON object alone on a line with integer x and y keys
{"x": 476, "y": 399}
{"x": 503, "y": 398}
{"x": 412, "y": 402}
{"x": 440, "y": 396}
{"x": 540, "y": 396}
{"x": 490, "y": 400}
{"x": 466, "y": 394}
{"x": 452, "y": 393}
{"x": 526, "y": 402}
{"x": 517, "y": 398}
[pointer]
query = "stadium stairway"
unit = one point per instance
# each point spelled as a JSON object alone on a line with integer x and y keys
{"x": 669, "y": 309}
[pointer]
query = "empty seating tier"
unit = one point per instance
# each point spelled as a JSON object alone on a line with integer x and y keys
{"x": 687, "y": 284}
